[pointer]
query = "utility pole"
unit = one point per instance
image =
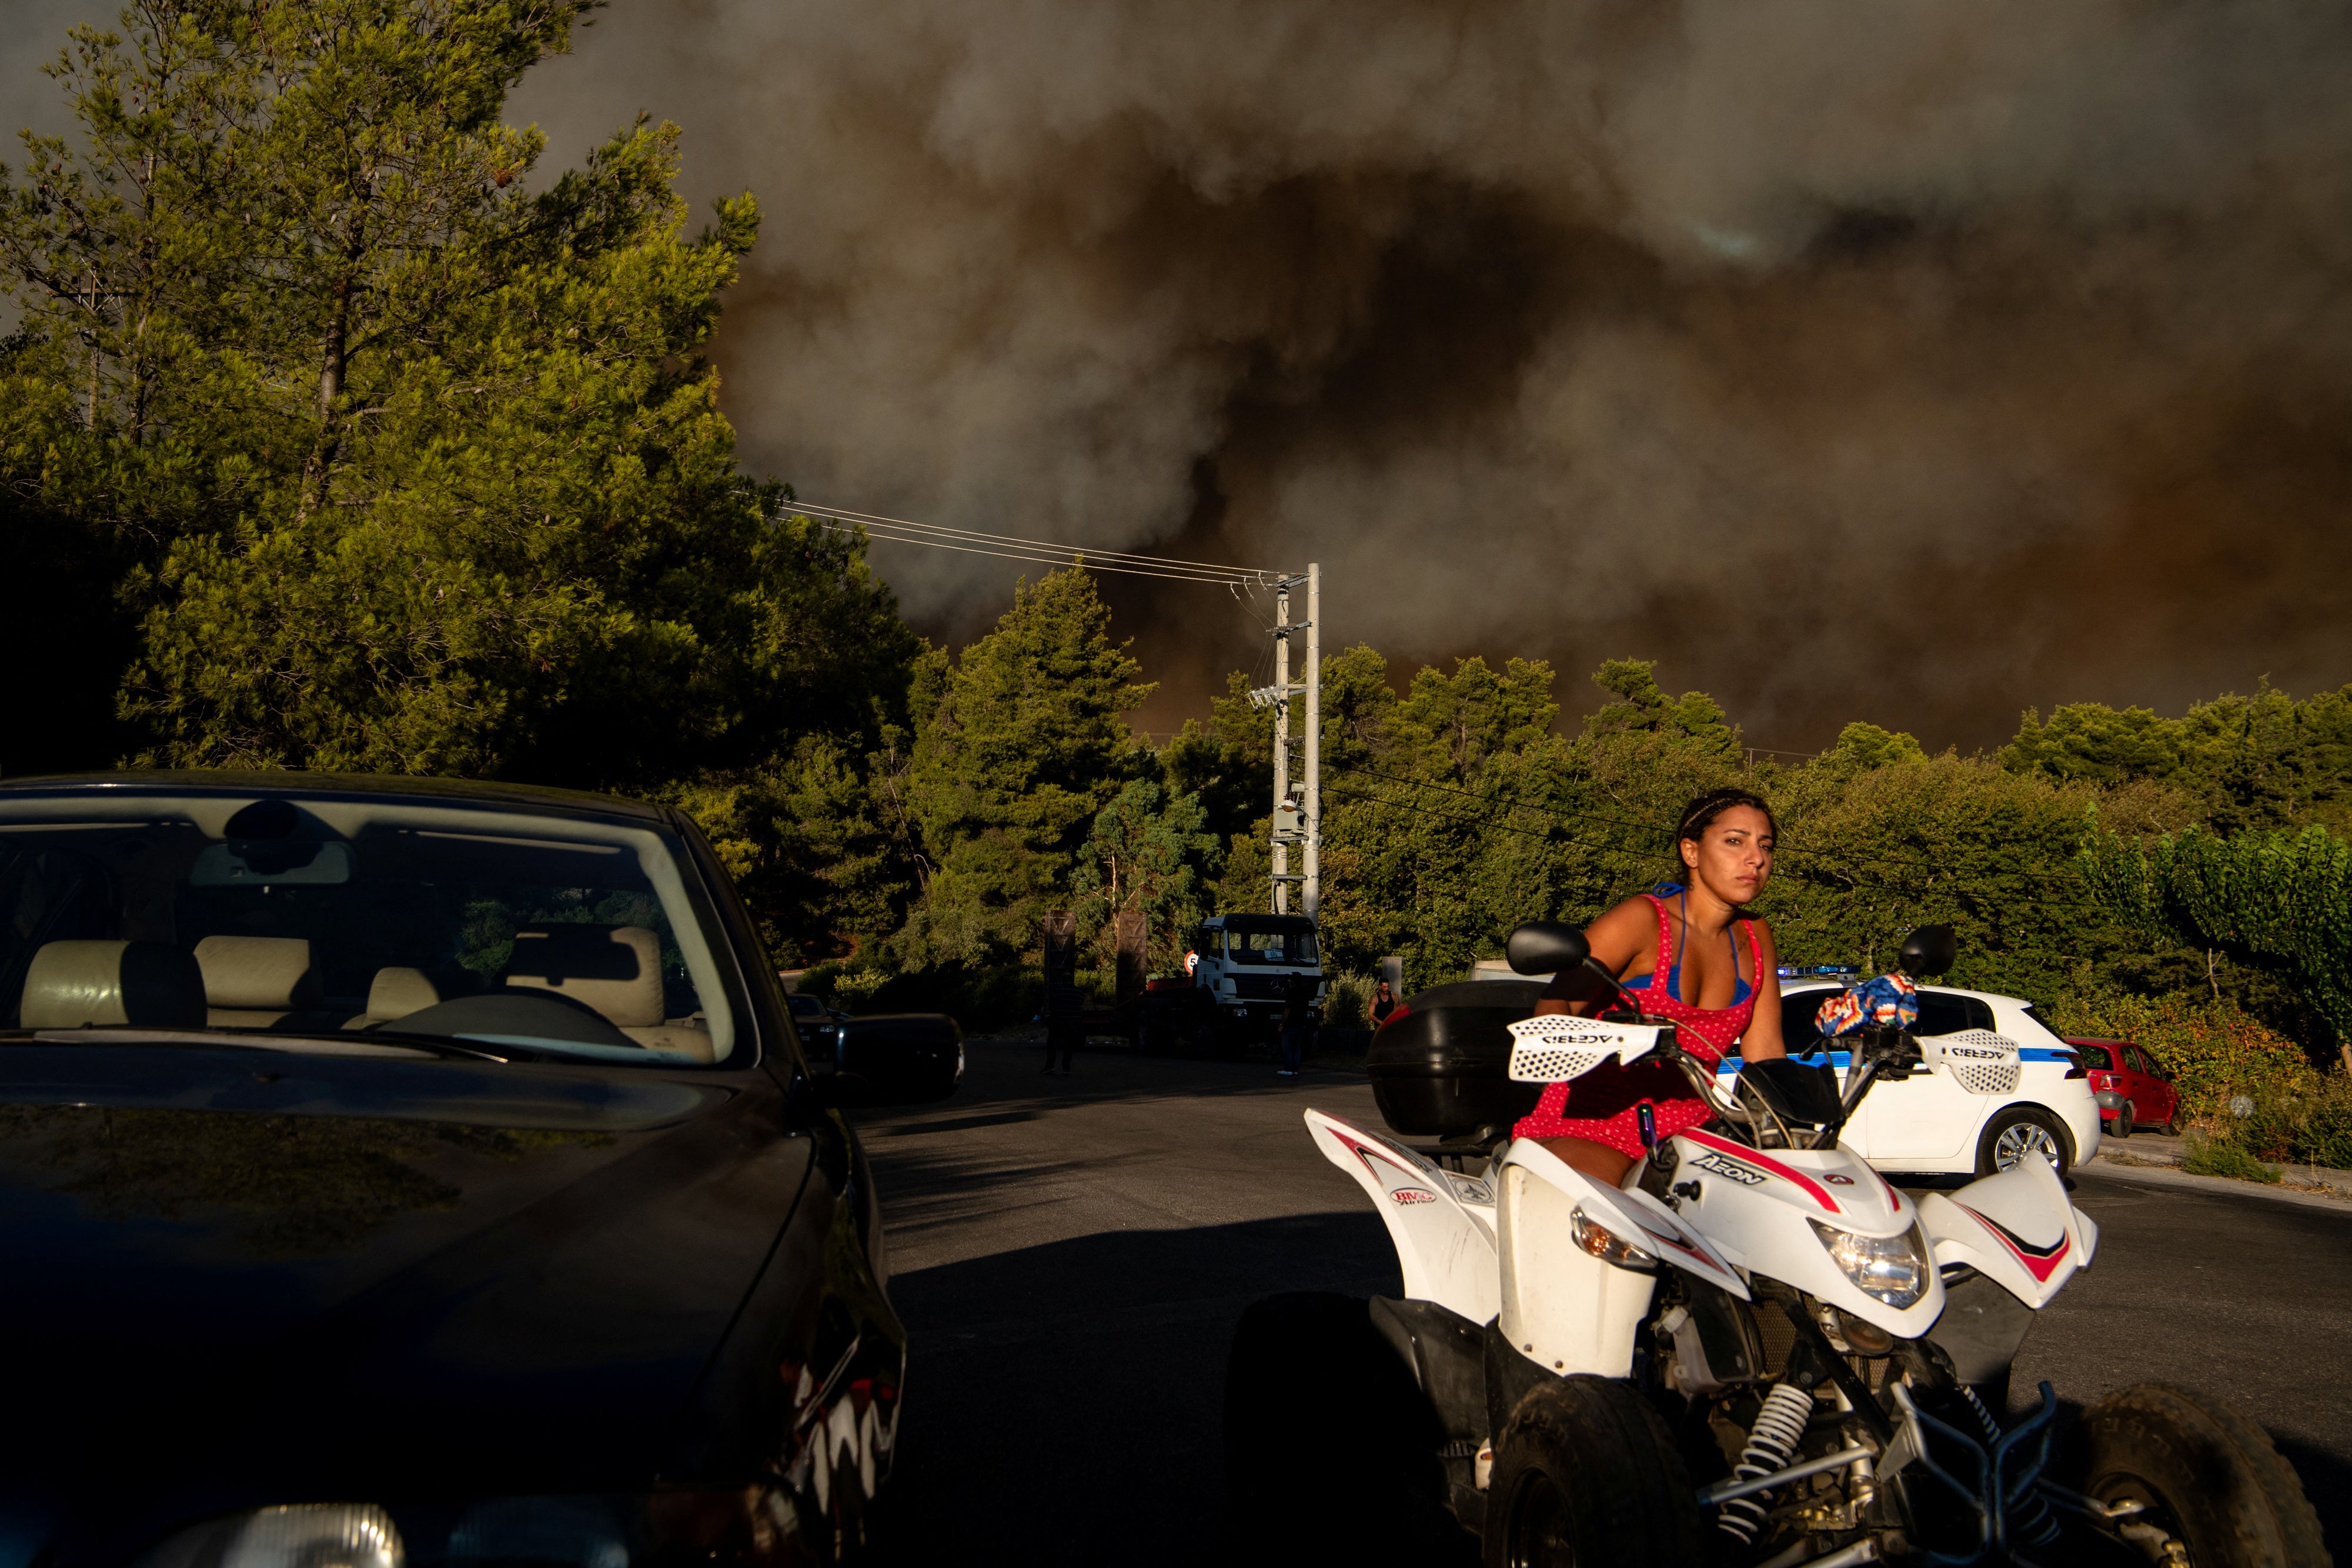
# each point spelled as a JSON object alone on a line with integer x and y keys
{"x": 1302, "y": 824}
{"x": 1282, "y": 831}
{"x": 1310, "y": 889}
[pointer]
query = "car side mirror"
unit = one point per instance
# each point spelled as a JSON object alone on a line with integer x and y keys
{"x": 1546, "y": 947}
{"x": 895, "y": 1058}
{"x": 1929, "y": 952}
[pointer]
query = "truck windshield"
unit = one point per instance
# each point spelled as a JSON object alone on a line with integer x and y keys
{"x": 1292, "y": 946}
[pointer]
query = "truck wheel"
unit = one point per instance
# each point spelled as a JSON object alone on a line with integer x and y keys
{"x": 2207, "y": 1479}
{"x": 1586, "y": 1473}
{"x": 1331, "y": 1449}
{"x": 2016, "y": 1132}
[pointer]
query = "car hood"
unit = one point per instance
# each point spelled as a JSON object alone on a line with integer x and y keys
{"x": 238, "y": 1276}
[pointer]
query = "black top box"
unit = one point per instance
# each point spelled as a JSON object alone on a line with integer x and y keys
{"x": 1440, "y": 1068}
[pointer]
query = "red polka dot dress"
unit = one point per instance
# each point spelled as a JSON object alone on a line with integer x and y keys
{"x": 1607, "y": 1100}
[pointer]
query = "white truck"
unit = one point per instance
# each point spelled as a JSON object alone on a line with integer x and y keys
{"x": 1243, "y": 967}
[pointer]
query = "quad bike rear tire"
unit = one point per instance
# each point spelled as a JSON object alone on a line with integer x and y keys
{"x": 1331, "y": 1449}
{"x": 1587, "y": 1474}
{"x": 2210, "y": 1479}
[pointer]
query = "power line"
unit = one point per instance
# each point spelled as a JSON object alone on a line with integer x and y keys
{"x": 968, "y": 541}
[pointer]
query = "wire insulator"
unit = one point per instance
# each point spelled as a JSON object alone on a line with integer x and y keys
{"x": 1771, "y": 1444}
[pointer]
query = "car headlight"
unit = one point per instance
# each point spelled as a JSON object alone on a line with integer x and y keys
{"x": 1892, "y": 1268}
{"x": 301, "y": 1535}
{"x": 1606, "y": 1245}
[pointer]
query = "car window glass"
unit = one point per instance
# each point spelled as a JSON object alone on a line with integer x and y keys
{"x": 332, "y": 916}
{"x": 2095, "y": 1057}
{"x": 1799, "y": 1033}
{"x": 2132, "y": 1055}
{"x": 807, "y": 1006}
{"x": 1941, "y": 1012}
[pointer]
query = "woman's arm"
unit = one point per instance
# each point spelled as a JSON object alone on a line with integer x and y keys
{"x": 1618, "y": 940}
{"x": 1762, "y": 1041}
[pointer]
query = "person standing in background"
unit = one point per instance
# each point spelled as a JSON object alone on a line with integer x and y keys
{"x": 1297, "y": 1022}
{"x": 1384, "y": 1002}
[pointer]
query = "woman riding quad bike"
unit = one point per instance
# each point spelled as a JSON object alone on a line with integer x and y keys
{"x": 1735, "y": 1342}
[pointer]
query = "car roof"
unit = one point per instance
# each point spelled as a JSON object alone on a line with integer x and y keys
{"x": 482, "y": 793}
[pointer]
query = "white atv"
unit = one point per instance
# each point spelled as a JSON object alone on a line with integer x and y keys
{"x": 1757, "y": 1353}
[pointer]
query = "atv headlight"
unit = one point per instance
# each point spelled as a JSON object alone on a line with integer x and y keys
{"x": 1606, "y": 1245}
{"x": 1892, "y": 1268}
{"x": 304, "y": 1535}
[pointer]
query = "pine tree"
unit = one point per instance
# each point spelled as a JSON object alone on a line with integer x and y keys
{"x": 1026, "y": 744}
{"x": 423, "y": 467}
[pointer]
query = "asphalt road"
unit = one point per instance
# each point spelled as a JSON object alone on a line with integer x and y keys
{"x": 1071, "y": 1255}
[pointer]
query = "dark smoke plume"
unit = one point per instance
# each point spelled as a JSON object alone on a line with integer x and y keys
{"x": 1913, "y": 361}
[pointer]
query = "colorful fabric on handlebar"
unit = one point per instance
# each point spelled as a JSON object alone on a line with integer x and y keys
{"x": 1888, "y": 999}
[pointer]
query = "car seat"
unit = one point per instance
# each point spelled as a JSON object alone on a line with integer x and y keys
{"x": 253, "y": 982}
{"x": 616, "y": 971}
{"x": 395, "y": 994}
{"x": 101, "y": 984}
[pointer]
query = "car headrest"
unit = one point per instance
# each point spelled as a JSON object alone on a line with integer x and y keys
{"x": 257, "y": 971}
{"x": 144, "y": 985}
{"x": 616, "y": 969}
{"x": 396, "y": 993}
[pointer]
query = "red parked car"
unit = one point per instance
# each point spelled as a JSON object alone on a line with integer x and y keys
{"x": 2133, "y": 1088}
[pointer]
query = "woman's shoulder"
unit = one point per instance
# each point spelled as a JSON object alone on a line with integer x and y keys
{"x": 1635, "y": 920}
{"x": 1641, "y": 906}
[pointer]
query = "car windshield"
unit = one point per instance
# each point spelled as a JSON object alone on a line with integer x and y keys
{"x": 358, "y": 920}
{"x": 1293, "y": 945}
{"x": 2096, "y": 1056}
{"x": 807, "y": 1006}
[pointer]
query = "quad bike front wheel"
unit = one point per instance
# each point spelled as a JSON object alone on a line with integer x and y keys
{"x": 1586, "y": 1476}
{"x": 2211, "y": 1492}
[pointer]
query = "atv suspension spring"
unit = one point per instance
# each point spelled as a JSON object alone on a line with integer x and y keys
{"x": 1771, "y": 1444}
{"x": 2031, "y": 1523}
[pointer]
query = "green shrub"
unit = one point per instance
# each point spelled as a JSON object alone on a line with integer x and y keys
{"x": 820, "y": 979}
{"x": 1349, "y": 1004}
{"x": 2213, "y": 1050}
{"x": 2223, "y": 1158}
{"x": 2305, "y": 1123}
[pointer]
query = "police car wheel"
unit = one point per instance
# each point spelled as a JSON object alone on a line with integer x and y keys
{"x": 2021, "y": 1132}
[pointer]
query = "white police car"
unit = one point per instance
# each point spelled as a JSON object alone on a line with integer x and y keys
{"x": 1998, "y": 1084}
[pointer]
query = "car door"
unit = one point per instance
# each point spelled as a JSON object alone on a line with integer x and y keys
{"x": 2151, "y": 1096}
{"x": 1928, "y": 1120}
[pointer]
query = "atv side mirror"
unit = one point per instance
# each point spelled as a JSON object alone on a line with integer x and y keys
{"x": 1929, "y": 952}
{"x": 1546, "y": 947}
